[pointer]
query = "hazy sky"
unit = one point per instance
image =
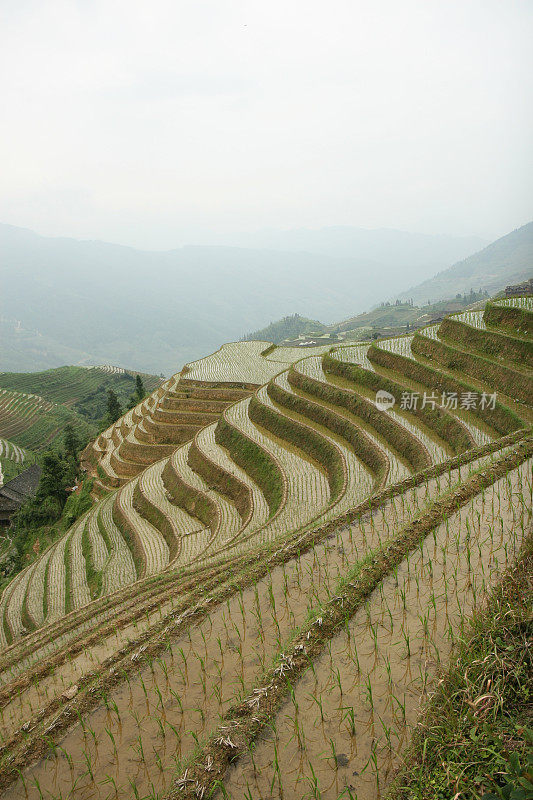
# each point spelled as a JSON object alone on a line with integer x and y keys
{"x": 153, "y": 123}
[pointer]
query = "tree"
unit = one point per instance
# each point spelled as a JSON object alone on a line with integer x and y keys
{"x": 71, "y": 442}
{"x": 114, "y": 410}
{"x": 139, "y": 393}
{"x": 139, "y": 387}
{"x": 54, "y": 479}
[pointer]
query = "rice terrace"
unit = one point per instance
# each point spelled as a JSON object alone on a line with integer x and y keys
{"x": 266, "y": 400}
{"x": 283, "y": 589}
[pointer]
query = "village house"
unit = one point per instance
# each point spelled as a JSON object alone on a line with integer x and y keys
{"x": 16, "y": 491}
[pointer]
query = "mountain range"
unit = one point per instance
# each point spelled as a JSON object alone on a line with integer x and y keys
{"x": 90, "y": 302}
{"x": 506, "y": 261}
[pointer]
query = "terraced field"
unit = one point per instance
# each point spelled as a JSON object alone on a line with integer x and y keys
{"x": 11, "y": 451}
{"x": 35, "y": 407}
{"x": 11, "y": 455}
{"x": 181, "y": 406}
{"x": 32, "y": 422}
{"x": 278, "y": 559}
{"x": 70, "y": 384}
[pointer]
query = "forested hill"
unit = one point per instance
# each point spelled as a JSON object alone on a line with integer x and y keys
{"x": 286, "y": 328}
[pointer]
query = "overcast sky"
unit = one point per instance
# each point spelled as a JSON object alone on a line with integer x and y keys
{"x": 160, "y": 123}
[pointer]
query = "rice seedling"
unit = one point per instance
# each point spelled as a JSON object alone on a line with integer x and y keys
{"x": 190, "y": 680}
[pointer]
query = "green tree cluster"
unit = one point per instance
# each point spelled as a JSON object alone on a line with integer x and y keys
{"x": 113, "y": 408}
{"x": 60, "y": 471}
{"x": 139, "y": 394}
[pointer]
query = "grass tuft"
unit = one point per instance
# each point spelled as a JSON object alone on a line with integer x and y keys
{"x": 476, "y": 738}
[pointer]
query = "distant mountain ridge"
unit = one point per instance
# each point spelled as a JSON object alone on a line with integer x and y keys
{"x": 382, "y": 245}
{"x": 507, "y": 260}
{"x": 89, "y": 302}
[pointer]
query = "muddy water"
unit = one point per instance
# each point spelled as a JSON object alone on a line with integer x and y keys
{"x": 154, "y": 720}
{"x": 47, "y": 645}
{"x": 322, "y": 567}
{"x": 372, "y": 678}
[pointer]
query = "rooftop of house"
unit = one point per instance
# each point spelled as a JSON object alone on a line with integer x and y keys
{"x": 19, "y": 489}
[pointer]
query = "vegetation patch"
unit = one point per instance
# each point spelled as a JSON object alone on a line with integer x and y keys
{"x": 517, "y": 320}
{"x": 487, "y": 342}
{"x": 476, "y": 737}
{"x": 259, "y": 464}
{"x": 41, "y": 521}
{"x": 287, "y": 328}
{"x": 500, "y": 418}
{"x": 305, "y": 438}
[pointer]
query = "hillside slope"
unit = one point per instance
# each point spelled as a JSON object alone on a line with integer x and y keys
{"x": 35, "y": 407}
{"x": 286, "y": 328}
{"x": 81, "y": 388}
{"x": 507, "y": 260}
{"x": 302, "y": 564}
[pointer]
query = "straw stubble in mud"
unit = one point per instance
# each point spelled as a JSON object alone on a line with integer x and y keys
{"x": 350, "y": 715}
{"x": 161, "y": 711}
{"x": 244, "y": 721}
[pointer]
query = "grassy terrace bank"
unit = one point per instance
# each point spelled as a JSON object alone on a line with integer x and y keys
{"x": 254, "y": 460}
{"x": 499, "y": 377}
{"x": 476, "y": 736}
{"x": 487, "y": 342}
{"x": 518, "y": 321}
{"x": 245, "y": 721}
